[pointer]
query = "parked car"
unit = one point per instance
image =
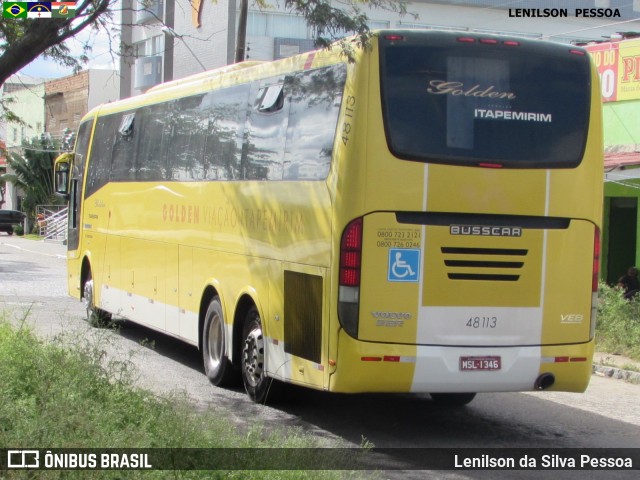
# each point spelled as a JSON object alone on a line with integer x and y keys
{"x": 9, "y": 218}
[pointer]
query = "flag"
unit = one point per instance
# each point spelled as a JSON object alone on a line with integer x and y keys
{"x": 38, "y": 9}
{"x": 14, "y": 9}
{"x": 63, "y": 9}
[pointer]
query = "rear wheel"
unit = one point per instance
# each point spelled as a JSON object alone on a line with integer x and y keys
{"x": 256, "y": 382}
{"x": 452, "y": 399}
{"x": 217, "y": 365}
{"x": 95, "y": 316}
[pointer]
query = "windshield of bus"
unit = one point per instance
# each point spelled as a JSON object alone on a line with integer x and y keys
{"x": 470, "y": 100}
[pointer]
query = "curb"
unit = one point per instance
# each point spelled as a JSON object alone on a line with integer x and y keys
{"x": 617, "y": 373}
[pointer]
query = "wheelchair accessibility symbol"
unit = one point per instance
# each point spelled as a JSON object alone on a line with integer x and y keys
{"x": 404, "y": 265}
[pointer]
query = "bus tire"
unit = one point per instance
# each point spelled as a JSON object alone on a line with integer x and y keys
{"x": 256, "y": 382}
{"x": 96, "y": 317}
{"x": 452, "y": 399}
{"x": 217, "y": 366}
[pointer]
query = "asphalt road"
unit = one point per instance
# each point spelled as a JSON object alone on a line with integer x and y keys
{"x": 33, "y": 289}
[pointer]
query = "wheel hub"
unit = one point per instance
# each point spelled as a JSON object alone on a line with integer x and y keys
{"x": 253, "y": 356}
{"x": 216, "y": 341}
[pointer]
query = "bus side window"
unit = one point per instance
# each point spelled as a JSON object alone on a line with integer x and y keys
{"x": 152, "y": 148}
{"x": 186, "y": 148}
{"x": 315, "y": 97}
{"x": 124, "y": 150}
{"x": 226, "y": 120}
{"x": 99, "y": 165}
{"x": 270, "y": 99}
{"x": 263, "y": 149}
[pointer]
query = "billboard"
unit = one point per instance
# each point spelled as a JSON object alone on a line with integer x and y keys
{"x": 618, "y": 64}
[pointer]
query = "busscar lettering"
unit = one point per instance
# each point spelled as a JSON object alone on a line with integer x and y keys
{"x": 485, "y": 230}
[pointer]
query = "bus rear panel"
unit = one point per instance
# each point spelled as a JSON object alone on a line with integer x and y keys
{"x": 469, "y": 260}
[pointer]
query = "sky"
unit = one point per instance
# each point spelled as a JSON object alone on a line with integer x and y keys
{"x": 101, "y": 56}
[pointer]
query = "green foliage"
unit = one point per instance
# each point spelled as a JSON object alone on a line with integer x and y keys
{"x": 67, "y": 393}
{"x": 34, "y": 174}
{"x": 618, "y": 322}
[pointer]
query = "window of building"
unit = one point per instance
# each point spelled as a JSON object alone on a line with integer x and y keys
{"x": 260, "y": 24}
{"x": 149, "y": 47}
{"x": 377, "y": 24}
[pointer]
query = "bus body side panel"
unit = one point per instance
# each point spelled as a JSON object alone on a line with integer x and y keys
{"x": 233, "y": 236}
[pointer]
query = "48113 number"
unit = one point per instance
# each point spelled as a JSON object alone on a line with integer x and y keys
{"x": 482, "y": 322}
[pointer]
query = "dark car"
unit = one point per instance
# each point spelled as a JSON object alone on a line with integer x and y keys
{"x": 9, "y": 218}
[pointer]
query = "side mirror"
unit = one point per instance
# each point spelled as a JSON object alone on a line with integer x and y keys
{"x": 62, "y": 175}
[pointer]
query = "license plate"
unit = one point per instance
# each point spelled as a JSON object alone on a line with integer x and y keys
{"x": 470, "y": 364}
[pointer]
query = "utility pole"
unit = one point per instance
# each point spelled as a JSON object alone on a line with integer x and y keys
{"x": 241, "y": 41}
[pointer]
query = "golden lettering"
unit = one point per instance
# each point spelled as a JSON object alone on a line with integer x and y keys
{"x": 442, "y": 87}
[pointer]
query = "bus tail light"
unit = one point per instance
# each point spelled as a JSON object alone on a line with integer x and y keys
{"x": 596, "y": 261}
{"x": 349, "y": 277}
{"x": 594, "y": 281}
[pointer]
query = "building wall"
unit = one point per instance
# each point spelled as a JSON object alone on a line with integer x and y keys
{"x": 69, "y": 98}
{"x": 104, "y": 87}
{"x": 28, "y": 104}
{"x": 209, "y": 42}
{"x": 66, "y": 103}
{"x": 212, "y": 44}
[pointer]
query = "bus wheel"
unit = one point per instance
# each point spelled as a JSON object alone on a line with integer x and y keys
{"x": 256, "y": 383}
{"x": 217, "y": 366}
{"x": 452, "y": 399}
{"x": 95, "y": 316}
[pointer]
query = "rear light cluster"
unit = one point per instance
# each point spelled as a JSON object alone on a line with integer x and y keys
{"x": 594, "y": 281}
{"x": 596, "y": 260}
{"x": 351, "y": 254}
{"x": 489, "y": 41}
{"x": 349, "y": 277}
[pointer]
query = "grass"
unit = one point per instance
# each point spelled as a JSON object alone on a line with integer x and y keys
{"x": 65, "y": 393}
{"x": 618, "y": 323}
{"x": 630, "y": 367}
{"x": 32, "y": 236}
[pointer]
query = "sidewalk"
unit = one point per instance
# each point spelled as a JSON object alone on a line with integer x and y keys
{"x": 616, "y": 366}
{"x": 50, "y": 248}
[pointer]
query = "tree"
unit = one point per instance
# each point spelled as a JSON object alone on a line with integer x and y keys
{"x": 327, "y": 22}
{"x": 24, "y": 40}
{"x": 34, "y": 174}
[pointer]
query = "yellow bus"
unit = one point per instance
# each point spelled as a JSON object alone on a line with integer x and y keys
{"x": 424, "y": 218}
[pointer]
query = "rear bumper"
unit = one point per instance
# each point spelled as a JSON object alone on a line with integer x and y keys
{"x": 377, "y": 367}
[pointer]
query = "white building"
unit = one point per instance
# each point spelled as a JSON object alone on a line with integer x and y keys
{"x": 171, "y": 39}
{"x": 52, "y": 107}
{"x": 25, "y": 97}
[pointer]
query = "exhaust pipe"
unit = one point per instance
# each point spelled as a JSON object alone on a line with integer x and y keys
{"x": 544, "y": 381}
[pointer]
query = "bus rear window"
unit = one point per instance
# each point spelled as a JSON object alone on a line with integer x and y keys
{"x": 468, "y": 103}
